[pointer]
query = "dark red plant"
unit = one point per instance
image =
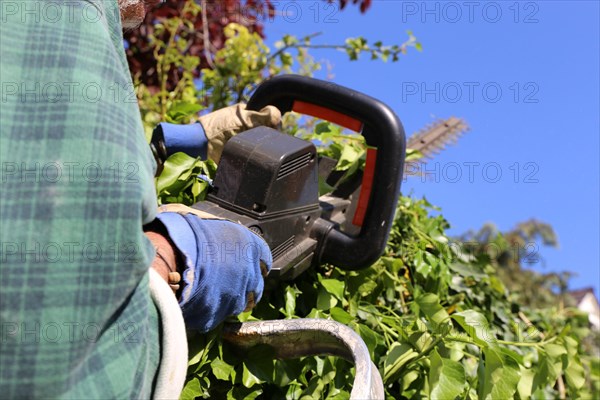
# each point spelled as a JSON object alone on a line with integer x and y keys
{"x": 219, "y": 13}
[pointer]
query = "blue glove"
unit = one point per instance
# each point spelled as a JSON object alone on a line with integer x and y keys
{"x": 224, "y": 267}
{"x": 208, "y": 136}
{"x": 189, "y": 139}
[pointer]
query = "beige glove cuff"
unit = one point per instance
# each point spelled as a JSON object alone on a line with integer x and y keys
{"x": 183, "y": 209}
{"x": 219, "y": 126}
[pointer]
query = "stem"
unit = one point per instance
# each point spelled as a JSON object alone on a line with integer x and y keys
{"x": 504, "y": 342}
{"x": 205, "y": 36}
{"x": 359, "y": 139}
{"x": 561, "y": 387}
{"x": 284, "y": 48}
{"x": 393, "y": 277}
{"x": 382, "y": 325}
{"x": 464, "y": 353}
{"x": 390, "y": 331}
{"x": 401, "y": 49}
{"x": 179, "y": 87}
{"x": 402, "y": 302}
{"x": 388, "y": 309}
{"x": 161, "y": 66}
{"x": 525, "y": 344}
{"x": 424, "y": 352}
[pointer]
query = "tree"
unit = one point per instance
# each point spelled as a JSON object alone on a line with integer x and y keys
{"x": 203, "y": 33}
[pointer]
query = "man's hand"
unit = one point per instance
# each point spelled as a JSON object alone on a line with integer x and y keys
{"x": 165, "y": 261}
{"x": 207, "y": 137}
{"x": 223, "y": 265}
{"x": 219, "y": 126}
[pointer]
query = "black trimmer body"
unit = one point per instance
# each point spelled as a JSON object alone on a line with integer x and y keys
{"x": 269, "y": 181}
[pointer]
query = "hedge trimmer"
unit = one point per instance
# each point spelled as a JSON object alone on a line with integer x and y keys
{"x": 269, "y": 182}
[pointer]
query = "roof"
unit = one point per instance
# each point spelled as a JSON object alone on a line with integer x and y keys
{"x": 579, "y": 294}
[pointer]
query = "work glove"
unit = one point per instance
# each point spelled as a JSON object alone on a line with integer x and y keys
{"x": 224, "y": 265}
{"x": 208, "y": 137}
{"x": 221, "y": 125}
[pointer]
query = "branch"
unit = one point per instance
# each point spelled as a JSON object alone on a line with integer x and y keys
{"x": 353, "y": 46}
{"x": 288, "y": 46}
{"x": 205, "y": 36}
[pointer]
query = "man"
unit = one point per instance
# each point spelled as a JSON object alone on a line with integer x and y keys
{"x": 81, "y": 313}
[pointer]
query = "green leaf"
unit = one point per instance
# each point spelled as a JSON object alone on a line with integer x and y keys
{"x": 412, "y": 154}
{"x": 554, "y": 350}
{"x": 338, "y": 395}
{"x": 525, "y": 386}
{"x": 324, "y": 187}
{"x": 286, "y": 59}
{"x": 349, "y": 156}
{"x": 290, "y": 301}
{"x": 446, "y": 377}
{"x": 476, "y": 326}
{"x": 175, "y": 166}
{"x": 468, "y": 270}
{"x": 500, "y": 376}
{"x": 546, "y": 372}
{"x": 325, "y": 300}
{"x": 574, "y": 372}
{"x": 180, "y": 110}
{"x": 370, "y": 337}
{"x": 408, "y": 378}
{"x": 286, "y": 371}
{"x": 191, "y": 389}
{"x": 334, "y": 286}
{"x": 243, "y": 393}
{"x": 367, "y": 288}
{"x": 421, "y": 266}
{"x": 248, "y": 378}
{"x": 429, "y": 304}
{"x": 260, "y": 363}
{"x": 198, "y": 187}
{"x": 221, "y": 369}
{"x": 397, "y": 356}
{"x": 340, "y": 315}
{"x": 322, "y": 127}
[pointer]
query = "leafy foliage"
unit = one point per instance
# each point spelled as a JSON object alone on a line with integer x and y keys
{"x": 203, "y": 33}
{"x": 438, "y": 323}
{"x": 441, "y": 318}
{"x": 184, "y": 180}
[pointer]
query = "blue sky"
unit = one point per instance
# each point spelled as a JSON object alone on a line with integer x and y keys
{"x": 525, "y": 75}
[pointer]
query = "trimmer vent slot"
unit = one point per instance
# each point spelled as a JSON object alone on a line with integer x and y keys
{"x": 283, "y": 247}
{"x": 290, "y": 166}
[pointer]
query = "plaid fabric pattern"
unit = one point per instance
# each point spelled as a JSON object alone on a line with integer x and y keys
{"x": 76, "y": 317}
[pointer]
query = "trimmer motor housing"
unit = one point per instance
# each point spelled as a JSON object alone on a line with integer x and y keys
{"x": 268, "y": 181}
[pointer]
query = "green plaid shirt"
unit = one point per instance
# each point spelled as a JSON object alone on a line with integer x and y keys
{"x": 76, "y": 316}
